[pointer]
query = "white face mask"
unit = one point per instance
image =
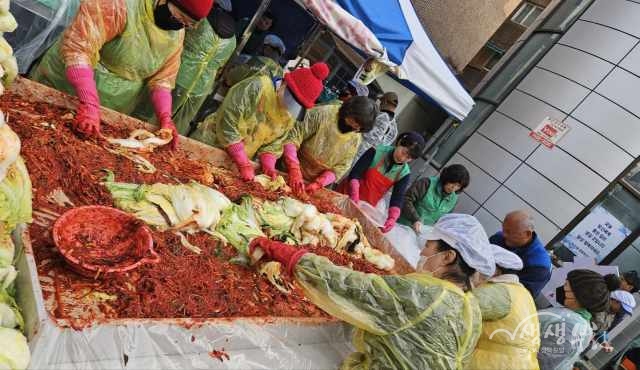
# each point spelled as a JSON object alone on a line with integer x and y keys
{"x": 423, "y": 260}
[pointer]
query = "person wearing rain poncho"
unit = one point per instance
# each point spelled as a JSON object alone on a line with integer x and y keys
{"x": 565, "y": 332}
{"x": 257, "y": 111}
{"x": 207, "y": 47}
{"x": 115, "y": 52}
{"x": 321, "y": 148}
{"x": 510, "y": 327}
{"x": 424, "y": 320}
{"x": 265, "y": 64}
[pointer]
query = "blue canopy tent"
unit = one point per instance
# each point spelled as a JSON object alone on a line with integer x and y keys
{"x": 421, "y": 68}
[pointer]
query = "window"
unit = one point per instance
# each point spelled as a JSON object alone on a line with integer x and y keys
{"x": 526, "y": 14}
{"x": 491, "y": 61}
{"x": 493, "y": 53}
{"x": 632, "y": 179}
{"x": 608, "y": 224}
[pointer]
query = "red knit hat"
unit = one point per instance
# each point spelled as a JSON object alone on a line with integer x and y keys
{"x": 306, "y": 83}
{"x": 196, "y": 9}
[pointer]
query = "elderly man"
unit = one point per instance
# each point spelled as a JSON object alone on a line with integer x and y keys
{"x": 519, "y": 237}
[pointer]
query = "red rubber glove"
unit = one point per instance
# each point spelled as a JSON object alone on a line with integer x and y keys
{"x": 296, "y": 182}
{"x": 87, "y": 120}
{"x": 325, "y": 178}
{"x": 354, "y": 190}
{"x": 268, "y": 164}
{"x": 162, "y": 102}
{"x": 237, "y": 153}
{"x": 284, "y": 253}
{"x": 392, "y": 217}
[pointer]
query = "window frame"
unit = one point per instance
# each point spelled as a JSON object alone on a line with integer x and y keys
{"x": 526, "y": 21}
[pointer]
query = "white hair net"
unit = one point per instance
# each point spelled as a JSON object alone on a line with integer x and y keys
{"x": 626, "y": 299}
{"x": 506, "y": 259}
{"x": 466, "y": 235}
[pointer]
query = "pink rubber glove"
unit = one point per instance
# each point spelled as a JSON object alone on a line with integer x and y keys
{"x": 290, "y": 153}
{"x": 325, "y": 178}
{"x": 162, "y": 102}
{"x": 237, "y": 153}
{"x": 392, "y": 217}
{"x": 87, "y": 119}
{"x": 268, "y": 164}
{"x": 354, "y": 190}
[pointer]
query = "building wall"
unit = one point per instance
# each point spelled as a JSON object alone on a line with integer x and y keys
{"x": 460, "y": 28}
{"x": 504, "y": 37}
{"x": 590, "y": 79}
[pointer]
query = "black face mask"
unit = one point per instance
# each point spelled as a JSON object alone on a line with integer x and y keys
{"x": 165, "y": 20}
{"x": 343, "y": 127}
{"x": 560, "y": 295}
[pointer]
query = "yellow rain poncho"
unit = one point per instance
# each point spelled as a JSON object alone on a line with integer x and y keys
{"x": 204, "y": 54}
{"x": 412, "y": 321}
{"x": 510, "y": 328}
{"x": 321, "y": 145}
{"x": 256, "y": 66}
{"x": 129, "y": 53}
{"x": 251, "y": 112}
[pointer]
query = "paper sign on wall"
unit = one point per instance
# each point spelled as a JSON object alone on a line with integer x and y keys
{"x": 549, "y": 132}
{"x": 596, "y": 235}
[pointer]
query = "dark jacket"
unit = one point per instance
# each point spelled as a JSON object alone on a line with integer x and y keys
{"x": 537, "y": 263}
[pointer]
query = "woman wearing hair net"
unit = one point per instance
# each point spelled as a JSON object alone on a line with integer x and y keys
{"x": 423, "y": 320}
{"x": 510, "y": 327}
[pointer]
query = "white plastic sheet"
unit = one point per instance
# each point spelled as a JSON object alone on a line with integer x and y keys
{"x": 403, "y": 238}
{"x": 160, "y": 344}
{"x": 40, "y": 22}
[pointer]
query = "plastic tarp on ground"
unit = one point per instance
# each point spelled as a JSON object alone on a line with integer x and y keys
{"x": 395, "y": 25}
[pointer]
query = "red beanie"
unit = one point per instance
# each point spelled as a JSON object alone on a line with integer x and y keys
{"x": 306, "y": 83}
{"x": 196, "y": 9}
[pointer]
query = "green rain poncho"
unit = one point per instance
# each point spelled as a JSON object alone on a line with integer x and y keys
{"x": 204, "y": 54}
{"x": 251, "y": 112}
{"x": 412, "y": 321}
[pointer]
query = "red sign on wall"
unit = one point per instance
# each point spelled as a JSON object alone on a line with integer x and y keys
{"x": 549, "y": 132}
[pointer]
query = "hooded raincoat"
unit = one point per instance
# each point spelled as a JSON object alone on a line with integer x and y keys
{"x": 251, "y": 112}
{"x": 204, "y": 54}
{"x": 119, "y": 39}
{"x": 412, "y": 321}
{"x": 564, "y": 335}
{"x": 321, "y": 145}
{"x": 510, "y": 327}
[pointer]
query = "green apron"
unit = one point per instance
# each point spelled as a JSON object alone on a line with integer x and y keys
{"x": 125, "y": 63}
